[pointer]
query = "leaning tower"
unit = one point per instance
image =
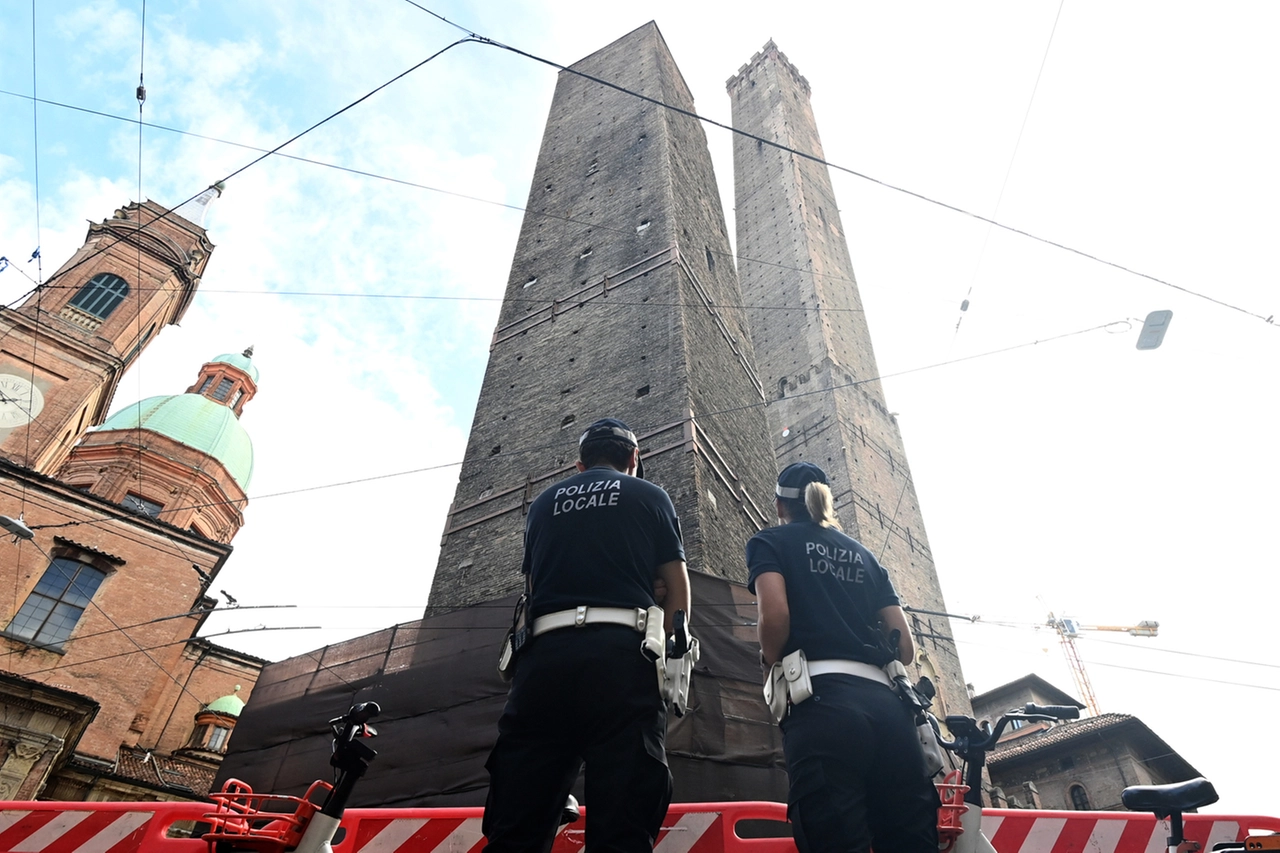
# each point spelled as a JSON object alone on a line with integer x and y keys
{"x": 813, "y": 346}
{"x": 622, "y": 301}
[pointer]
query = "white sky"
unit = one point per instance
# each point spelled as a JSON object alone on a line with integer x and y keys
{"x": 1077, "y": 475}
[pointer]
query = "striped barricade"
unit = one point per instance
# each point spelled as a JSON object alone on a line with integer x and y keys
{"x": 1033, "y": 831}
{"x": 50, "y": 827}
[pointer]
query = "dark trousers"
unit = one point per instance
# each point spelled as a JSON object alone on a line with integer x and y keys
{"x": 856, "y": 773}
{"x": 580, "y": 695}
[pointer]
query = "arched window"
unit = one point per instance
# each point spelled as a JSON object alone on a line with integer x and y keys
{"x": 101, "y": 295}
{"x": 55, "y": 606}
{"x": 1079, "y": 798}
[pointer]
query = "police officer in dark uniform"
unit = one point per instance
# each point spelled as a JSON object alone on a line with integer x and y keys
{"x": 856, "y": 772}
{"x": 583, "y": 691}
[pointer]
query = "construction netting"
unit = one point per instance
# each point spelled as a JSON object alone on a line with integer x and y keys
{"x": 441, "y": 696}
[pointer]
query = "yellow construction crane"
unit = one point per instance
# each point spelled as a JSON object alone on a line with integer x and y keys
{"x": 1069, "y": 629}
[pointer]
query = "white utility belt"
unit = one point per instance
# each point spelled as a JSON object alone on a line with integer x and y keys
{"x": 631, "y": 617}
{"x": 787, "y": 682}
{"x": 674, "y": 673}
{"x": 849, "y": 667}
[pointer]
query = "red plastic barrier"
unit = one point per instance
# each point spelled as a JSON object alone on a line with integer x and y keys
{"x": 48, "y": 827}
{"x": 1032, "y": 831}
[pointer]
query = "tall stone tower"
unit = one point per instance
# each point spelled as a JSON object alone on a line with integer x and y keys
{"x": 810, "y": 334}
{"x": 622, "y": 301}
{"x": 63, "y": 351}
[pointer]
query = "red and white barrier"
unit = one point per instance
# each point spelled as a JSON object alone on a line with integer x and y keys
{"x": 51, "y": 827}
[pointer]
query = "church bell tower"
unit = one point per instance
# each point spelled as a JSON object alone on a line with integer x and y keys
{"x": 64, "y": 349}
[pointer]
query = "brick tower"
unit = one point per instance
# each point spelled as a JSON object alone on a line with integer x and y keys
{"x": 810, "y": 334}
{"x": 622, "y": 301}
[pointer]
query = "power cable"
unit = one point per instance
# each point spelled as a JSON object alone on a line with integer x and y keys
{"x": 604, "y": 227}
{"x": 35, "y": 141}
{"x": 1017, "y": 145}
{"x": 1269, "y": 320}
{"x": 123, "y": 633}
{"x": 141, "y": 95}
{"x": 1005, "y": 649}
{"x": 169, "y": 212}
{"x": 598, "y": 226}
{"x": 560, "y": 445}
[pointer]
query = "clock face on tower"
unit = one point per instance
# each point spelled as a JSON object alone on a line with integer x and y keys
{"x": 20, "y": 401}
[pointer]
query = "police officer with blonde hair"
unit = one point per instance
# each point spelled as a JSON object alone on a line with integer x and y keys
{"x": 857, "y": 777}
{"x": 583, "y": 691}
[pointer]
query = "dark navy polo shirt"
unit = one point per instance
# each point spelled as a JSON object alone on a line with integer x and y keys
{"x": 597, "y": 539}
{"x": 835, "y": 588}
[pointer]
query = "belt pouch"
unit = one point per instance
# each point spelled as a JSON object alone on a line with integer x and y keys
{"x": 788, "y": 679}
{"x": 775, "y": 692}
{"x": 929, "y": 746}
{"x": 796, "y": 669}
{"x": 654, "y": 644}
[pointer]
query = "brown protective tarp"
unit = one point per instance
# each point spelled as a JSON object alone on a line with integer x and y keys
{"x": 441, "y": 698}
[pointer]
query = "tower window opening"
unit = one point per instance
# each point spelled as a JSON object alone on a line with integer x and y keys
{"x": 643, "y": 227}
{"x": 711, "y": 259}
{"x": 585, "y": 252}
{"x": 642, "y": 391}
{"x": 204, "y": 386}
{"x": 239, "y": 395}
{"x": 224, "y": 388}
{"x": 497, "y": 448}
{"x": 533, "y": 279}
{"x": 568, "y": 419}
{"x": 101, "y": 295}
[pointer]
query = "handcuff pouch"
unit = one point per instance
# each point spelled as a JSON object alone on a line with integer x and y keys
{"x": 787, "y": 683}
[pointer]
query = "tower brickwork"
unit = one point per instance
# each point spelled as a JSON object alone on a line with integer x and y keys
{"x": 810, "y": 335}
{"x": 622, "y": 301}
{"x": 66, "y": 346}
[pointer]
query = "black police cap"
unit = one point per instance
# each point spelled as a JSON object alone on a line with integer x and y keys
{"x": 615, "y": 429}
{"x": 795, "y": 477}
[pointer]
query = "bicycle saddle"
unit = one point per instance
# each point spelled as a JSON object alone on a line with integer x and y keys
{"x": 1164, "y": 800}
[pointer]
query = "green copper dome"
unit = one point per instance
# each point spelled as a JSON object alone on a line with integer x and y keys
{"x": 230, "y": 705}
{"x": 240, "y": 360}
{"x": 197, "y": 422}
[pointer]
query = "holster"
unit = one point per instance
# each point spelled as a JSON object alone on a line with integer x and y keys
{"x": 787, "y": 684}
{"x": 516, "y": 639}
{"x": 918, "y": 705}
{"x": 675, "y": 675}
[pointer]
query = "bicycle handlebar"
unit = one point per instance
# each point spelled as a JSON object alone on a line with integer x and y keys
{"x": 1058, "y": 712}
{"x": 363, "y": 712}
{"x": 973, "y": 740}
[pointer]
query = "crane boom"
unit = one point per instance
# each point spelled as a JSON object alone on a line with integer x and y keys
{"x": 1069, "y": 629}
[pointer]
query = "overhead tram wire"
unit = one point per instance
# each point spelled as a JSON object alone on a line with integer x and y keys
{"x": 141, "y": 95}
{"x": 559, "y": 445}
{"x": 169, "y": 212}
{"x": 1269, "y": 320}
{"x": 123, "y": 633}
{"x": 835, "y": 277}
{"x": 599, "y": 226}
{"x": 141, "y": 225}
{"x": 1017, "y": 145}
